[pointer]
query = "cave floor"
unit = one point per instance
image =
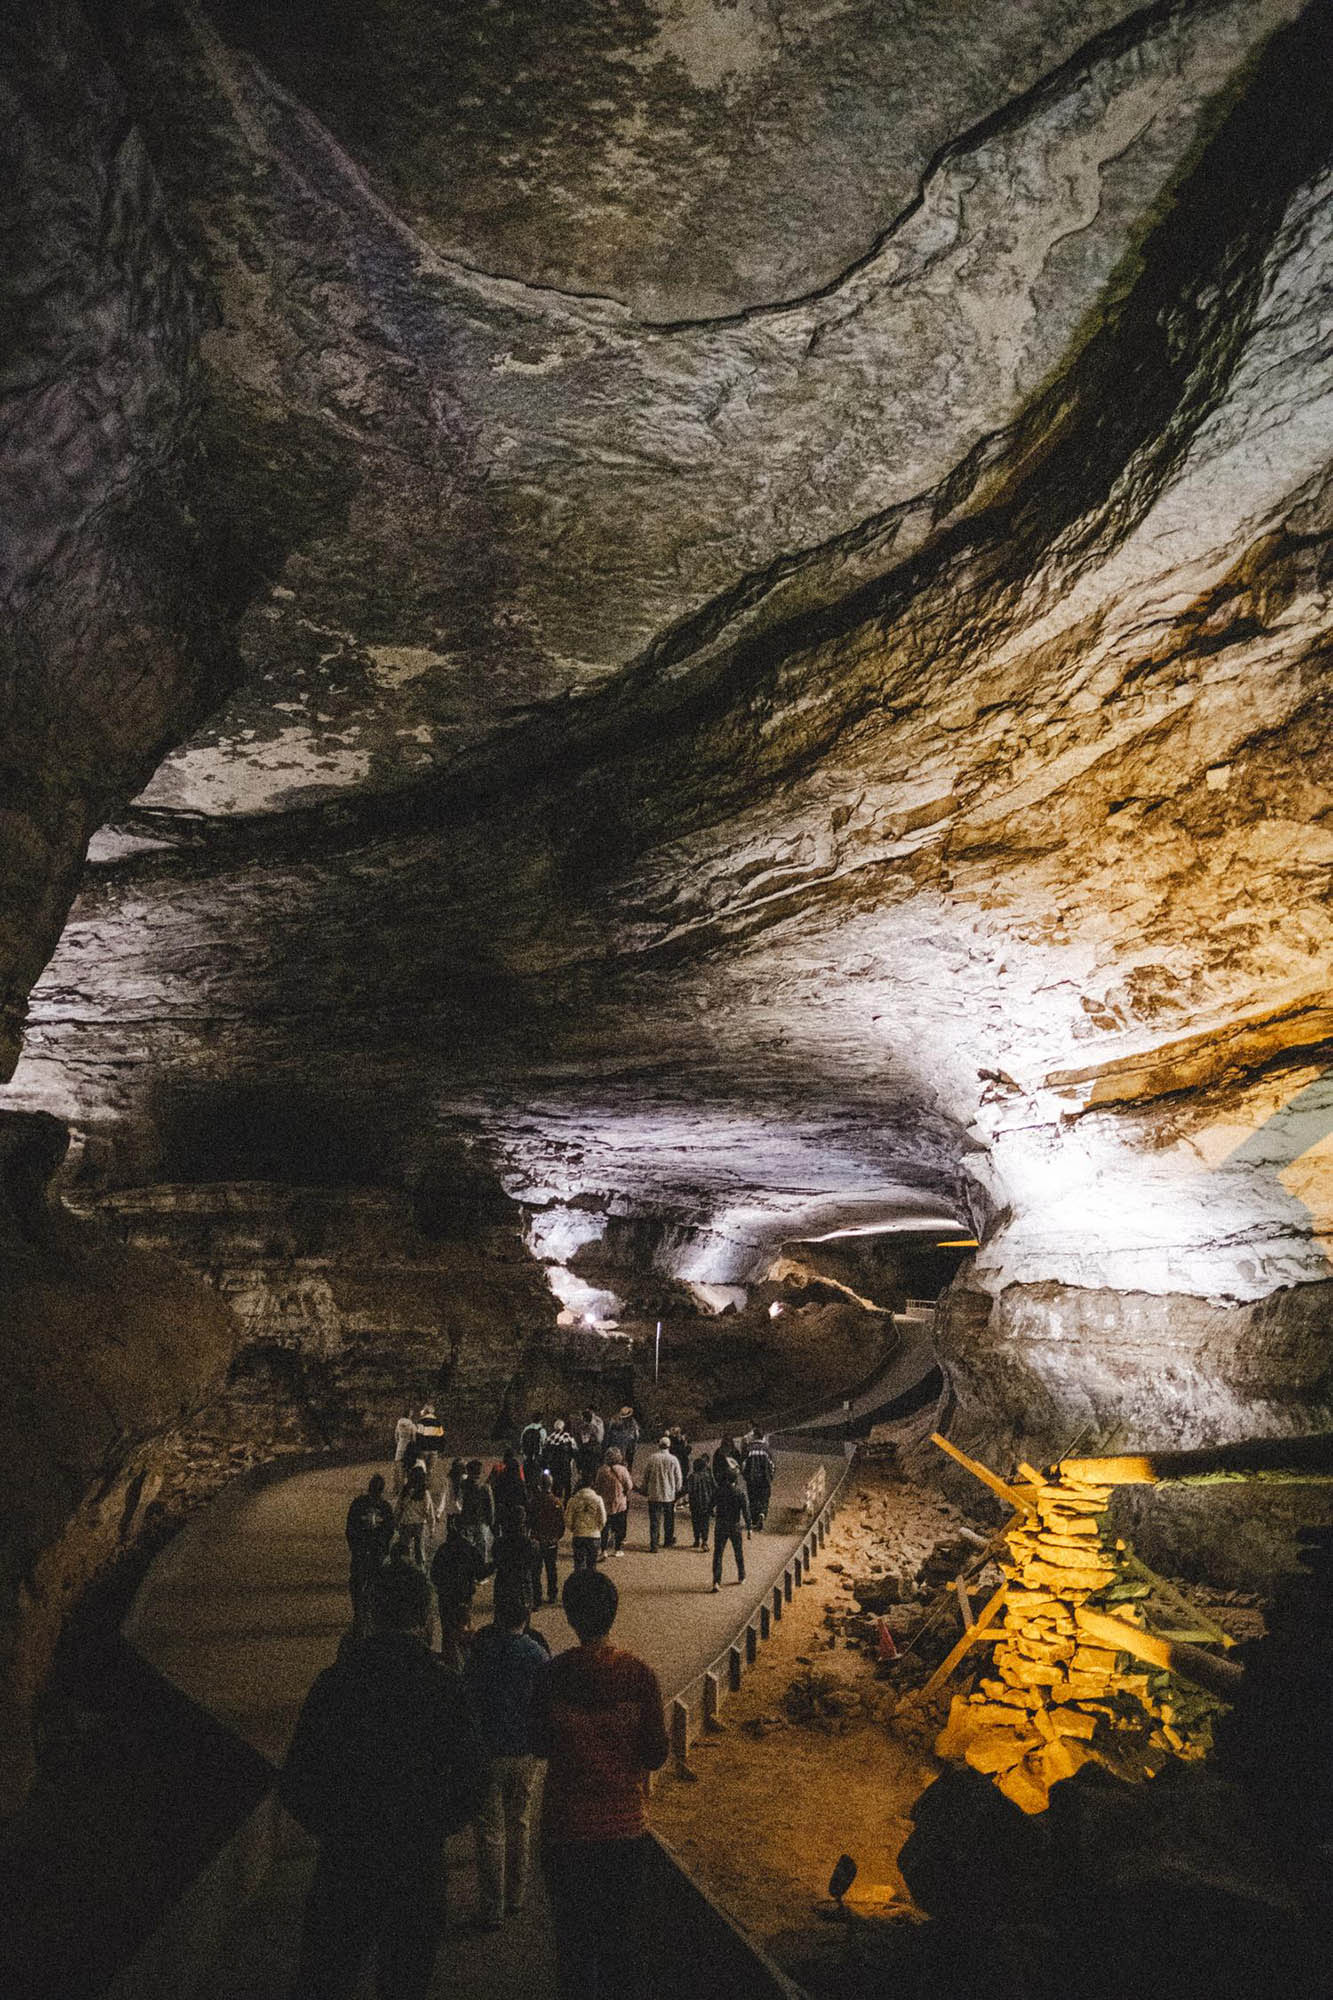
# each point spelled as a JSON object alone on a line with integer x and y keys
{"x": 249, "y": 1603}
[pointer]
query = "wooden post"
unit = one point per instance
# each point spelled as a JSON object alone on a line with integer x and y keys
{"x": 964, "y": 1603}
{"x": 969, "y": 1639}
{"x": 777, "y": 1603}
{"x": 680, "y": 1738}
{"x": 765, "y": 1621}
{"x": 786, "y": 1584}
{"x": 1207, "y": 1670}
{"x": 1279, "y": 1459}
{"x": 712, "y": 1702}
{"x": 1013, "y": 1496}
{"x": 751, "y": 1644}
{"x": 796, "y": 1564}
{"x": 734, "y": 1667}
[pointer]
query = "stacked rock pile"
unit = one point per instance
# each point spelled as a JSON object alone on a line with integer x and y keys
{"x": 1057, "y": 1694}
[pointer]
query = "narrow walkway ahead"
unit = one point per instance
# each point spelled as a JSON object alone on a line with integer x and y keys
{"x": 249, "y": 1603}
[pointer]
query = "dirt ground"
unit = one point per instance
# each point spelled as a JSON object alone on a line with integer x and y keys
{"x": 779, "y": 1797}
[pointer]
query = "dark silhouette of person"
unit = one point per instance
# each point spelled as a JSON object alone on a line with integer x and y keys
{"x": 385, "y": 1761}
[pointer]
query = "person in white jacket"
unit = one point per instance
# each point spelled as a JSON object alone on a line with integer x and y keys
{"x": 661, "y": 1485}
{"x": 404, "y": 1437}
{"x": 585, "y": 1517}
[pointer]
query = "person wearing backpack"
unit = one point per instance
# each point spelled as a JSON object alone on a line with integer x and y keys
{"x": 386, "y": 1760}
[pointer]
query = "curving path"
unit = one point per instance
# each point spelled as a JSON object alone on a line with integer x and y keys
{"x": 249, "y": 1603}
{"x": 910, "y": 1360}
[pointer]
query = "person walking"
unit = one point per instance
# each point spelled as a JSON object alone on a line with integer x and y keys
{"x": 613, "y": 1483}
{"x": 501, "y": 1677}
{"x": 558, "y": 1457}
{"x": 727, "y": 1449}
{"x": 507, "y": 1483}
{"x": 458, "y": 1567}
{"x": 597, "y": 1719}
{"x": 514, "y": 1554}
{"x": 414, "y": 1516}
{"x": 661, "y": 1484}
{"x": 680, "y": 1444}
{"x": 758, "y": 1470}
{"x": 546, "y": 1519}
{"x": 589, "y": 1428}
{"x": 623, "y": 1432}
{"x": 585, "y": 1517}
{"x": 477, "y": 1510}
{"x": 385, "y": 1761}
{"x": 369, "y": 1533}
{"x": 404, "y": 1438}
{"x": 531, "y": 1444}
{"x": 699, "y": 1490}
{"x": 731, "y": 1508}
{"x": 429, "y": 1439}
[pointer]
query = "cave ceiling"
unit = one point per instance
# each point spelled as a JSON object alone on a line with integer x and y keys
{"x": 723, "y": 603}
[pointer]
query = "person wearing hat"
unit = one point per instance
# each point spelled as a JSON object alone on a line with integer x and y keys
{"x": 623, "y": 1433}
{"x": 661, "y": 1485}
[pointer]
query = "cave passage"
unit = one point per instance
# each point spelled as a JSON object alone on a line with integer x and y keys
{"x": 665, "y": 693}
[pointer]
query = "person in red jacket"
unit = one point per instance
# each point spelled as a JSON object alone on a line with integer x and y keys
{"x": 597, "y": 1719}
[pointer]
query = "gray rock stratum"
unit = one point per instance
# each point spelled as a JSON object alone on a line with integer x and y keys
{"x": 736, "y": 602}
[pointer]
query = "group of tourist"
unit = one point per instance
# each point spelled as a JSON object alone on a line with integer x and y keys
{"x": 399, "y": 1745}
{"x": 395, "y": 1749}
{"x": 562, "y": 1479}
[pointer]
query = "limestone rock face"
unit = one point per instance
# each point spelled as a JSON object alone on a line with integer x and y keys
{"x": 104, "y": 1350}
{"x": 775, "y": 574}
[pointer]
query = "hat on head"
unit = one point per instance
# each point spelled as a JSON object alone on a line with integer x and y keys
{"x": 666, "y": 1441}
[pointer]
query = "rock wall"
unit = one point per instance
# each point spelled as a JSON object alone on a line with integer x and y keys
{"x": 104, "y": 1350}
{"x": 112, "y": 642}
{"x": 1043, "y": 1369}
{"x": 353, "y": 1303}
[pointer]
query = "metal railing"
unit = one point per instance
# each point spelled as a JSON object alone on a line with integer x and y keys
{"x": 698, "y": 1704}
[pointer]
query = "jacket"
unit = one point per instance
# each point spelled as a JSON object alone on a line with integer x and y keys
{"x": 597, "y": 1718}
{"x": 623, "y": 1432}
{"x": 758, "y": 1468}
{"x": 369, "y": 1530}
{"x": 386, "y": 1757}
{"x": 731, "y": 1506}
{"x": 614, "y": 1484}
{"x": 501, "y": 1677}
{"x": 661, "y": 1474}
{"x": 586, "y": 1514}
{"x": 546, "y": 1518}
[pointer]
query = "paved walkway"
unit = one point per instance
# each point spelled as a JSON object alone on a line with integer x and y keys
{"x": 249, "y": 1603}
{"x": 912, "y": 1359}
